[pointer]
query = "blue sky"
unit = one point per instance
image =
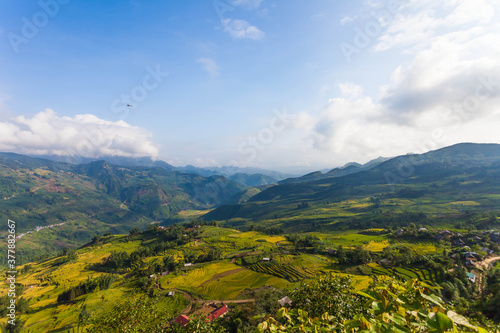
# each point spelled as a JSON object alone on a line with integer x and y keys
{"x": 289, "y": 85}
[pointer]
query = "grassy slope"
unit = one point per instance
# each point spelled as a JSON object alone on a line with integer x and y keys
{"x": 447, "y": 181}
{"x": 94, "y": 199}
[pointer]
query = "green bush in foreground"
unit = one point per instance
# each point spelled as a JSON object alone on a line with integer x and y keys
{"x": 391, "y": 306}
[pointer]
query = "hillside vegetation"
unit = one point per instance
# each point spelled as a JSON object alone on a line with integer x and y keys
{"x": 95, "y": 198}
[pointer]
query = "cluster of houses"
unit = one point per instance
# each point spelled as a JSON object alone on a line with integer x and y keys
{"x": 456, "y": 238}
{"x": 38, "y": 228}
{"x": 213, "y": 310}
{"x": 472, "y": 259}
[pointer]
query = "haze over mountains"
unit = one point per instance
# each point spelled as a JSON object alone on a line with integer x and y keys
{"x": 246, "y": 176}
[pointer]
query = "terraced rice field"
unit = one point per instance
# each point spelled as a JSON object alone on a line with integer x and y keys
{"x": 406, "y": 273}
{"x": 229, "y": 287}
{"x": 284, "y": 271}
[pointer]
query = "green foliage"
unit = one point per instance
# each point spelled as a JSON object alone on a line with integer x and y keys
{"x": 266, "y": 300}
{"x": 410, "y": 307}
{"x": 327, "y": 293}
{"x": 86, "y": 287}
{"x": 17, "y": 328}
{"x": 303, "y": 241}
{"x": 137, "y": 314}
{"x": 391, "y": 306}
{"x": 140, "y": 314}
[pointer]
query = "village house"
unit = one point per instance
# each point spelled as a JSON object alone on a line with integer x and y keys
{"x": 266, "y": 259}
{"x": 188, "y": 264}
{"x": 331, "y": 251}
{"x": 495, "y": 238}
{"x": 218, "y": 312}
{"x": 488, "y": 251}
{"x": 471, "y": 277}
{"x": 476, "y": 239}
{"x": 384, "y": 262}
{"x": 182, "y": 320}
{"x": 470, "y": 259}
{"x": 438, "y": 237}
{"x": 285, "y": 300}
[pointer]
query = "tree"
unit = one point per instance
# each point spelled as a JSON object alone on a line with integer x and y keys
{"x": 136, "y": 314}
{"x": 342, "y": 257}
{"x": 266, "y": 300}
{"x": 134, "y": 231}
{"x": 328, "y": 293}
{"x": 17, "y": 328}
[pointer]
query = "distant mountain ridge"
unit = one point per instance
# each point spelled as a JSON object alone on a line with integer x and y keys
{"x": 349, "y": 168}
{"x": 97, "y": 197}
{"x": 458, "y": 172}
{"x": 246, "y": 176}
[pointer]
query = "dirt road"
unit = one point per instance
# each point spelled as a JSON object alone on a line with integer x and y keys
{"x": 488, "y": 261}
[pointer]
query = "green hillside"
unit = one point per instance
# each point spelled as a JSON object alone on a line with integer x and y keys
{"x": 95, "y": 198}
{"x": 454, "y": 180}
{"x": 224, "y": 265}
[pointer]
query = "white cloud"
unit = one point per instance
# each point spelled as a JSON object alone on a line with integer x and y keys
{"x": 210, "y": 66}
{"x": 446, "y": 91}
{"x": 251, "y": 4}
{"x": 241, "y": 29}
{"x": 417, "y": 22}
{"x": 82, "y": 135}
{"x": 345, "y": 20}
{"x": 350, "y": 89}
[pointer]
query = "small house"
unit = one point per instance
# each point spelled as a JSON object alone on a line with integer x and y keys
{"x": 458, "y": 242}
{"x": 266, "y": 259}
{"x": 219, "y": 312}
{"x": 331, "y": 251}
{"x": 476, "y": 239}
{"x": 384, "y": 262}
{"x": 188, "y": 264}
{"x": 470, "y": 255}
{"x": 285, "y": 300}
{"x": 471, "y": 263}
{"x": 182, "y": 320}
{"x": 495, "y": 238}
{"x": 171, "y": 294}
{"x": 471, "y": 277}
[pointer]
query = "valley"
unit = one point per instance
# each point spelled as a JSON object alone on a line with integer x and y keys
{"x": 112, "y": 236}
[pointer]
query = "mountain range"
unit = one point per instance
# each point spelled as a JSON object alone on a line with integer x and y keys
{"x": 101, "y": 197}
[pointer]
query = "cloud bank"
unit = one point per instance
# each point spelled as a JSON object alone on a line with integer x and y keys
{"x": 447, "y": 91}
{"x": 82, "y": 135}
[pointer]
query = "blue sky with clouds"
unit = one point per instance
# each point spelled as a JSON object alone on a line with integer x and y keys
{"x": 275, "y": 84}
